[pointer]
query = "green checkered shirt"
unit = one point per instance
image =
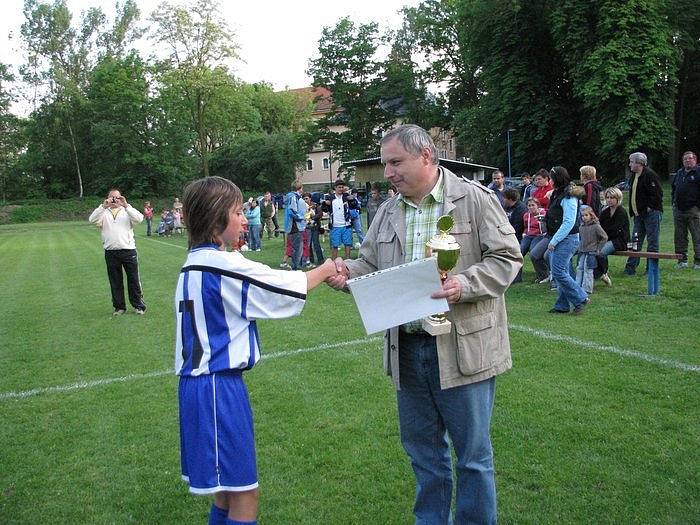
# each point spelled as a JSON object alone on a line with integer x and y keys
{"x": 421, "y": 225}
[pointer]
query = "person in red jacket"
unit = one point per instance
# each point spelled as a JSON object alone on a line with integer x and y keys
{"x": 543, "y": 188}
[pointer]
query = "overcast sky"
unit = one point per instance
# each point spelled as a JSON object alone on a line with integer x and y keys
{"x": 276, "y": 38}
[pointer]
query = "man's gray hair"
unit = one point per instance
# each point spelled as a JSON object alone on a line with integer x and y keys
{"x": 413, "y": 139}
{"x": 639, "y": 158}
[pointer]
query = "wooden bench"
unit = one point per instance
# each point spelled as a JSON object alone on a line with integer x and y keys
{"x": 653, "y": 274}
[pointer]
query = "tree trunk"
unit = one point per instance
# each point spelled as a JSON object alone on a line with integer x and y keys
{"x": 75, "y": 157}
{"x": 202, "y": 136}
{"x": 674, "y": 154}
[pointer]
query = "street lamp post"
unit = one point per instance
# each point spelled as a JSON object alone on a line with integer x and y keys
{"x": 508, "y": 140}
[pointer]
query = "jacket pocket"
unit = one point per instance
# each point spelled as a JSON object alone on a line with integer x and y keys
{"x": 476, "y": 339}
{"x": 385, "y": 248}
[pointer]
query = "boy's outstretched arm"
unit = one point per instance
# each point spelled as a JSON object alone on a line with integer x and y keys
{"x": 320, "y": 274}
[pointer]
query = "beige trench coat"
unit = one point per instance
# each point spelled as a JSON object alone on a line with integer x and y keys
{"x": 478, "y": 346}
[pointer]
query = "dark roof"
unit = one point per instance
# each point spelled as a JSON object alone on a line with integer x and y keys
{"x": 451, "y": 165}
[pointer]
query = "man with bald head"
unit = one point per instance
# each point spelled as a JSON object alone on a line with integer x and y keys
{"x": 446, "y": 383}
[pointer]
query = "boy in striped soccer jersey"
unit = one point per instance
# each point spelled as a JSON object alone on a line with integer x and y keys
{"x": 219, "y": 297}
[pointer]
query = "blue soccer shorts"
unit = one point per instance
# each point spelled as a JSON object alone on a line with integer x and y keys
{"x": 217, "y": 445}
{"x": 341, "y": 235}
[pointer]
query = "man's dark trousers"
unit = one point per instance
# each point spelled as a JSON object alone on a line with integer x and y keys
{"x": 127, "y": 259}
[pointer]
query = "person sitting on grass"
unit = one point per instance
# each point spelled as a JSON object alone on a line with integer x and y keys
{"x": 218, "y": 299}
{"x": 169, "y": 223}
{"x": 593, "y": 238}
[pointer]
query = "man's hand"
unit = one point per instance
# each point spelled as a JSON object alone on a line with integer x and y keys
{"x": 340, "y": 278}
{"x": 122, "y": 201}
{"x": 106, "y": 203}
{"x": 451, "y": 290}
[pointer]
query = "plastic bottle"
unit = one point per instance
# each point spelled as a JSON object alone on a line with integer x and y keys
{"x": 635, "y": 242}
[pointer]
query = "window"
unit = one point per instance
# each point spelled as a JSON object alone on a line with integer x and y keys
{"x": 451, "y": 145}
{"x": 326, "y": 164}
{"x": 309, "y": 164}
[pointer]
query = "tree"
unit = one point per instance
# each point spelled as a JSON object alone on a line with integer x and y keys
{"x": 403, "y": 91}
{"x": 348, "y": 67}
{"x": 522, "y": 86}
{"x": 59, "y": 62}
{"x": 441, "y": 36}
{"x": 624, "y": 74}
{"x": 10, "y": 137}
{"x": 200, "y": 44}
{"x": 120, "y": 127}
{"x": 261, "y": 161}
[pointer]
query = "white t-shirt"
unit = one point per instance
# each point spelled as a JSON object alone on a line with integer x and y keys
{"x": 338, "y": 211}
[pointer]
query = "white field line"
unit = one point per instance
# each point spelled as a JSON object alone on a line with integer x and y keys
{"x": 100, "y": 382}
{"x": 518, "y": 328}
{"x": 607, "y": 348}
{"x": 163, "y": 242}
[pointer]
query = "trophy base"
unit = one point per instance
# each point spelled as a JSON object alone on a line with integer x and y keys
{"x": 436, "y": 327}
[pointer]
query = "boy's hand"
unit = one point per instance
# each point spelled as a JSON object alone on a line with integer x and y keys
{"x": 338, "y": 280}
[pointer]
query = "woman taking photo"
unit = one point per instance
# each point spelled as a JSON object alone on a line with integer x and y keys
{"x": 562, "y": 225}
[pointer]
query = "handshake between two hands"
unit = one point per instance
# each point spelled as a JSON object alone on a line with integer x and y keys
{"x": 451, "y": 287}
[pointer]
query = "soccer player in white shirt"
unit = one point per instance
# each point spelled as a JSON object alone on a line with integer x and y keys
{"x": 219, "y": 297}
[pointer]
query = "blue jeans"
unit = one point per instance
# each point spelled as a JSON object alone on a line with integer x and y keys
{"x": 254, "y": 230}
{"x": 149, "y": 225}
{"x": 569, "y": 292}
{"x": 315, "y": 250}
{"x": 357, "y": 228}
{"x": 646, "y": 224}
{"x": 538, "y": 255}
{"x": 297, "y": 242}
{"x": 427, "y": 416}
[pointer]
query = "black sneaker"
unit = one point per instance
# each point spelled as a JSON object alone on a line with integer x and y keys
{"x": 555, "y": 311}
{"x": 579, "y": 308}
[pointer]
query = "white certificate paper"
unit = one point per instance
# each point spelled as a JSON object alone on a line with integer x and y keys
{"x": 398, "y": 295}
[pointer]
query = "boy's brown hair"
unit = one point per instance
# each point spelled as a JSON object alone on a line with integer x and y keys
{"x": 205, "y": 207}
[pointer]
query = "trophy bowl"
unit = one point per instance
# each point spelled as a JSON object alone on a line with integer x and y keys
{"x": 446, "y": 248}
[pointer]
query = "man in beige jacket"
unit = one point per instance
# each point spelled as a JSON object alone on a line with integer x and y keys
{"x": 445, "y": 384}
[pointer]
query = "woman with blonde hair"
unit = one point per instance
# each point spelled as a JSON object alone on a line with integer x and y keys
{"x": 615, "y": 222}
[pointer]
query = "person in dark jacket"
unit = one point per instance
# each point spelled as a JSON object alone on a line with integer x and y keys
{"x": 515, "y": 209}
{"x": 593, "y": 189}
{"x": 616, "y": 224}
{"x": 563, "y": 219}
{"x": 685, "y": 198}
{"x": 646, "y": 206}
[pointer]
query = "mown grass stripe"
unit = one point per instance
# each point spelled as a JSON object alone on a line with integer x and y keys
{"x": 101, "y": 382}
{"x": 606, "y": 348}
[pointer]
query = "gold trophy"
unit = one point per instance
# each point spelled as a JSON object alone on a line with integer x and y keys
{"x": 447, "y": 249}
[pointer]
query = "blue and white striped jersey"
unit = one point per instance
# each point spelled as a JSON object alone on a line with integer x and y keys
{"x": 218, "y": 298}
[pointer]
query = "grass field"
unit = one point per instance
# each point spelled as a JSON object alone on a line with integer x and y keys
{"x": 598, "y": 422}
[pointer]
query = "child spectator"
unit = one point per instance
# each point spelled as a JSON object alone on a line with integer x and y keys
{"x": 593, "y": 238}
{"x": 315, "y": 229}
{"x": 593, "y": 189}
{"x": 515, "y": 209}
{"x": 177, "y": 221}
{"x": 534, "y": 229}
{"x": 160, "y": 230}
{"x": 169, "y": 223}
{"x": 218, "y": 299}
{"x": 148, "y": 215}
{"x": 252, "y": 214}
